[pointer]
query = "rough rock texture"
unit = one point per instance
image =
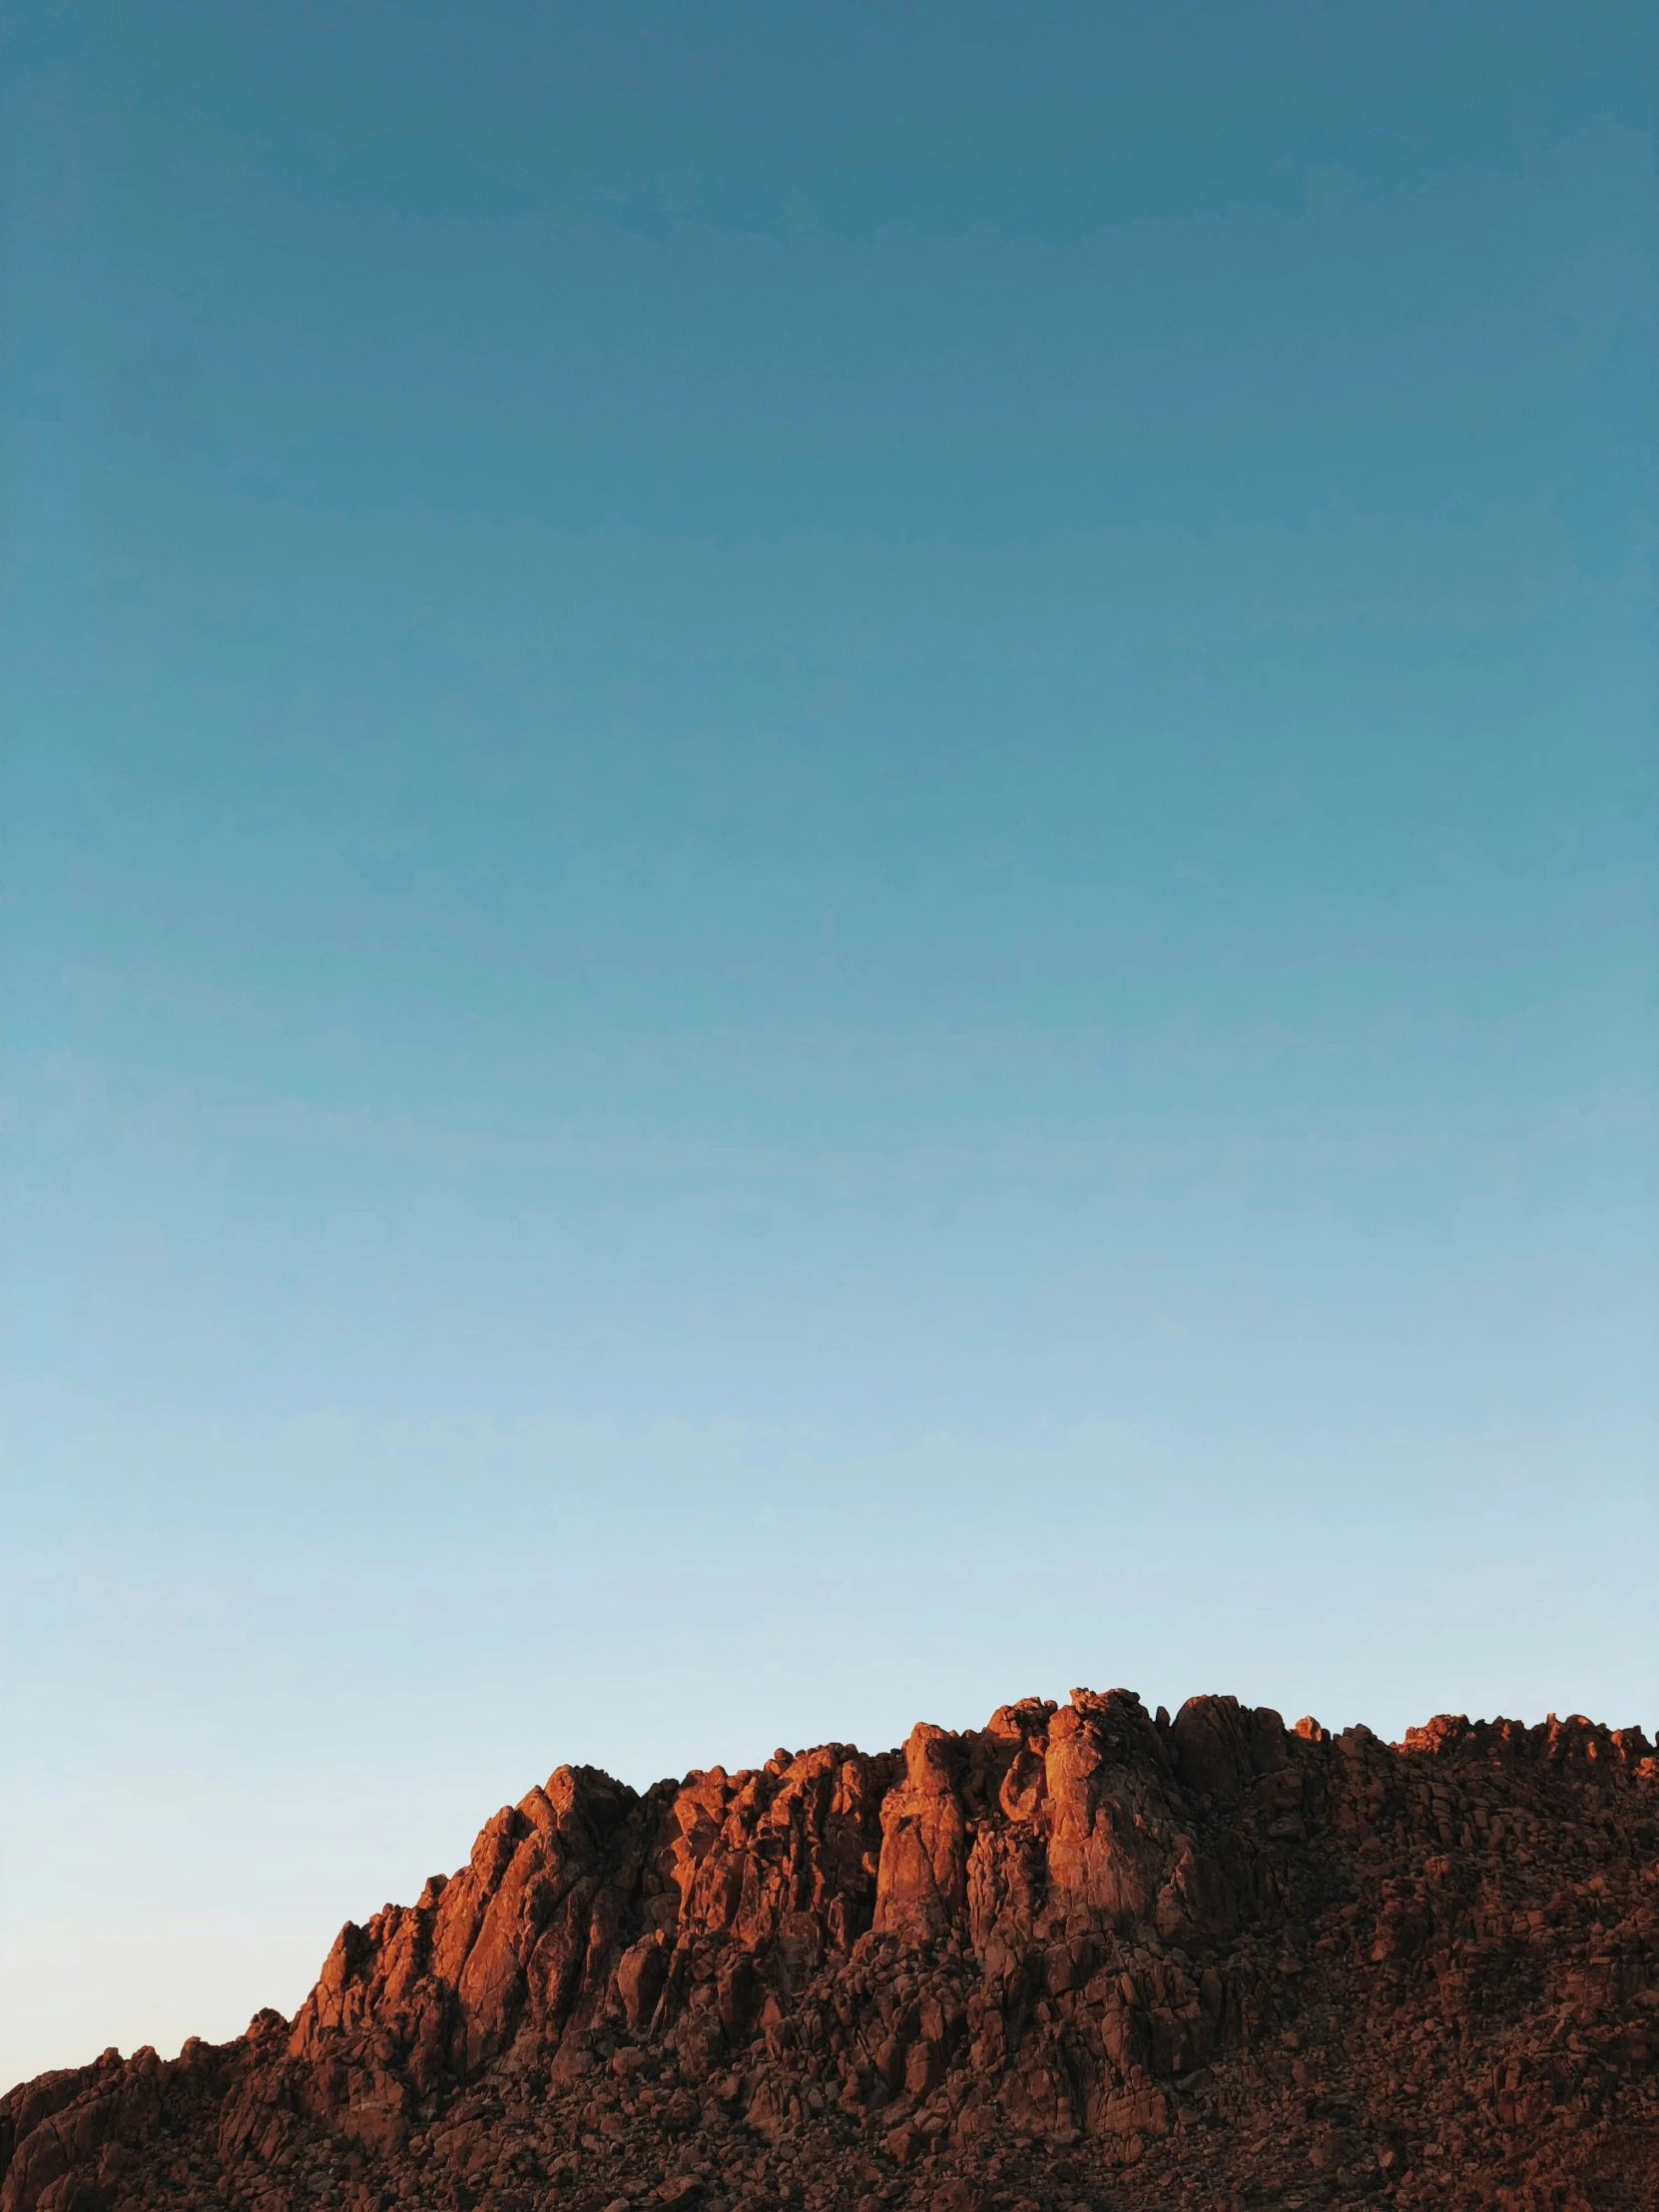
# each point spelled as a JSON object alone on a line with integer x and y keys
{"x": 1081, "y": 1958}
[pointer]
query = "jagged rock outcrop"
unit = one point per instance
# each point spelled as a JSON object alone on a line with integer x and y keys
{"x": 1081, "y": 1956}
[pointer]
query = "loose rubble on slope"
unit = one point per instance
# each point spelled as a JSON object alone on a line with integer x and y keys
{"x": 1083, "y": 1958}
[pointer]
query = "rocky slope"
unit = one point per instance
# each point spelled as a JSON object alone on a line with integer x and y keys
{"x": 1083, "y": 1958}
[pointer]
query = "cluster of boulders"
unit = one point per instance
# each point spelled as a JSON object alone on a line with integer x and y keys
{"x": 1086, "y": 1956}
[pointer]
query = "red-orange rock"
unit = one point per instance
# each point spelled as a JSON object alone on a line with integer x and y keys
{"x": 1079, "y": 1957}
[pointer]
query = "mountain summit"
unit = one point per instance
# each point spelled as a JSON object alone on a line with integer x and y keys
{"x": 1082, "y": 1958}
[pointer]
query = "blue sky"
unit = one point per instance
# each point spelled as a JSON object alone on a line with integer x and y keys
{"x": 829, "y": 866}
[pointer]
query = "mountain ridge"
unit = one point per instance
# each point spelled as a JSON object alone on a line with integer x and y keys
{"x": 1086, "y": 1956}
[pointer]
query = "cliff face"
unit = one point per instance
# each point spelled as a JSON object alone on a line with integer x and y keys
{"x": 1080, "y": 1957}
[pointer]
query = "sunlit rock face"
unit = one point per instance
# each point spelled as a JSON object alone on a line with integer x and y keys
{"x": 1083, "y": 1955}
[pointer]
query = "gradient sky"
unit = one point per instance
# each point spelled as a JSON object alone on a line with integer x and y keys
{"x": 829, "y": 883}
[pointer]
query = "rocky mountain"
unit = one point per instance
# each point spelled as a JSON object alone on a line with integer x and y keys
{"x": 1085, "y": 1957}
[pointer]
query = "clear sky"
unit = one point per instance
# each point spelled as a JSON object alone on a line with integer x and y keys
{"x": 828, "y": 887}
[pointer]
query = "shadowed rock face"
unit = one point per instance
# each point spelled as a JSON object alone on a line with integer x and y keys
{"x": 1079, "y": 1957}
